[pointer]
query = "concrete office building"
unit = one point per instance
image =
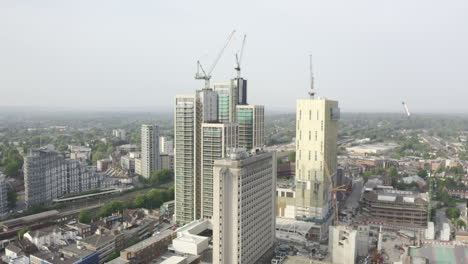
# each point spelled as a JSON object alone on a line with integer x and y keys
{"x": 149, "y": 150}
{"x": 216, "y": 139}
{"x": 342, "y": 245}
{"x": 166, "y": 145}
{"x": 167, "y": 162}
{"x": 3, "y": 196}
{"x": 244, "y": 209}
{"x": 47, "y": 175}
{"x": 251, "y": 120}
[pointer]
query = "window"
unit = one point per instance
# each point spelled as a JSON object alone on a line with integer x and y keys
{"x": 322, "y": 125}
{"x": 310, "y": 135}
{"x": 317, "y": 114}
{"x": 316, "y": 135}
{"x": 315, "y": 155}
{"x": 310, "y": 114}
{"x": 310, "y": 154}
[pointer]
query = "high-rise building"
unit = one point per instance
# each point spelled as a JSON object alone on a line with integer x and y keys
{"x": 251, "y": 120}
{"x": 316, "y": 155}
{"x": 227, "y": 101}
{"x": 47, "y": 175}
{"x": 187, "y": 126}
{"x": 166, "y": 145}
{"x": 149, "y": 150}
{"x": 3, "y": 195}
{"x": 216, "y": 139}
{"x": 244, "y": 207}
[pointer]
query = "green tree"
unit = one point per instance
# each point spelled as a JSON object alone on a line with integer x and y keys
{"x": 292, "y": 156}
{"x": 140, "y": 201}
{"x": 279, "y": 161}
{"x": 422, "y": 174}
{"x": 22, "y": 232}
{"x": 460, "y": 223}
{"x": 12, "y": 197}
{"x": 110, "y": 208}
{"x": 452, "y": 213}
{"x": 84, "y": 217}
{"x": 160, "y": 177}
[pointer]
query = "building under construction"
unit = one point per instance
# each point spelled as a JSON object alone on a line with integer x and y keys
{"x": 395, "y": 207}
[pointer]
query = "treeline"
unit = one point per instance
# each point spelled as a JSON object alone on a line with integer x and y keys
{"x": 11, "y": 160}
{"x": 151, "y": 200}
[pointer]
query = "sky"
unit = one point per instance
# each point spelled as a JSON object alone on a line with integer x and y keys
{"x": 370, "y": 55}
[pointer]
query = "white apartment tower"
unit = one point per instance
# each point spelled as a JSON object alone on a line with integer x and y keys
{"x": 316, "y": 158}
{"x": 166, "y": 145}
{"x": 187, "y": 125}
{"x": 216, "y": 139}
{"x": 244, "y": 207}
{"x": 149, "y": 150}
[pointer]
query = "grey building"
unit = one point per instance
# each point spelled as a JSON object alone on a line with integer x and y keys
{"x": 47, "y": 175}
{"x": 3, "y": 195}
{"x": 149, "y": 150}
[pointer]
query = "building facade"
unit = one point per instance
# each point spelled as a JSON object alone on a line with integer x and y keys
{"x": 47, "y": 175}
{"x": 244, "y": 208}
{"x": 3, "y": 195}
{"x": 187, "y": 125}
{"x": 166, "y": 145}
{"x": 316, "y": 161}
{"x": 251, "y": 120}
{"x": 216, "y": 139}
{"x": 149, "y": 150}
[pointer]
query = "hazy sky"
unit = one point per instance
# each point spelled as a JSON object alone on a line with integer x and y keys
{"x": 368, "y": 54}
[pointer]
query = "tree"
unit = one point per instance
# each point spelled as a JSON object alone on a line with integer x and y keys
{"x": 292, "y": 156}
{"x": 452, "y": 213}
{"x": 460, "y": 223}
{"x": 22, "y": 232}
{"x": 12, "y": 197}
{"x": 110, "y": 208}
{"x": 422, "y": 174}
{"x": 160, "y": 177}
{"x": 84, "y": 217}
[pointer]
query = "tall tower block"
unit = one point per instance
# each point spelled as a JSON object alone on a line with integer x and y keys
{"x": 316, "y": 147}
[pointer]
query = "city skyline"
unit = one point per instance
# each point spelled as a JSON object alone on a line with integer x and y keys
{"x": 371, "y": 61}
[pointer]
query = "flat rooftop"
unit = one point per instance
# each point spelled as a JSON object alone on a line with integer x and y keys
{"x": 149, "y": 241}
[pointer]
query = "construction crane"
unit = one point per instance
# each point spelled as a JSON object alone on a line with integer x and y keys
{"x": 206, "y": 75}
{"x": 334, "y": 190}
{"x": 239, "y": 58}
{"x": 406, "y": 109}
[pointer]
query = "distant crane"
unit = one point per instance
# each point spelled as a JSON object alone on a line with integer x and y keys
{"x": 239, "y": 58}
{"x": 406, "y": 109}
{"x": 206, "y": 75}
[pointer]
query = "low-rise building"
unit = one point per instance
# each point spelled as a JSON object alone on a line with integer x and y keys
{"x": 148, "y": 249}
{"x": 104, "y": 243}
{"x": 395, "y": 207}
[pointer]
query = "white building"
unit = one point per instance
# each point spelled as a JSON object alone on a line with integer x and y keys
{"x": 244, "y": 207}
{"x": 342, "y": 245}
{"x": 217, "y": 138}
{"x": 166, "y": 145}
{"x": 149, "y": 150}
{"x": 119, "y": 133}
{"x": 50, "y": 236}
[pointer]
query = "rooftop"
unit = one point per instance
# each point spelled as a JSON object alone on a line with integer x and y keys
{"x": 149, "y": 241}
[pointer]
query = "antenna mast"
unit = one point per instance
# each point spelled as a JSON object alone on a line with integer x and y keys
{"x": 312, "y": 90}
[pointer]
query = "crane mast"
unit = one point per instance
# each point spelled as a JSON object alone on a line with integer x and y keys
{"x": 239, "y": 58}
{"x": 206, "y": 75}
